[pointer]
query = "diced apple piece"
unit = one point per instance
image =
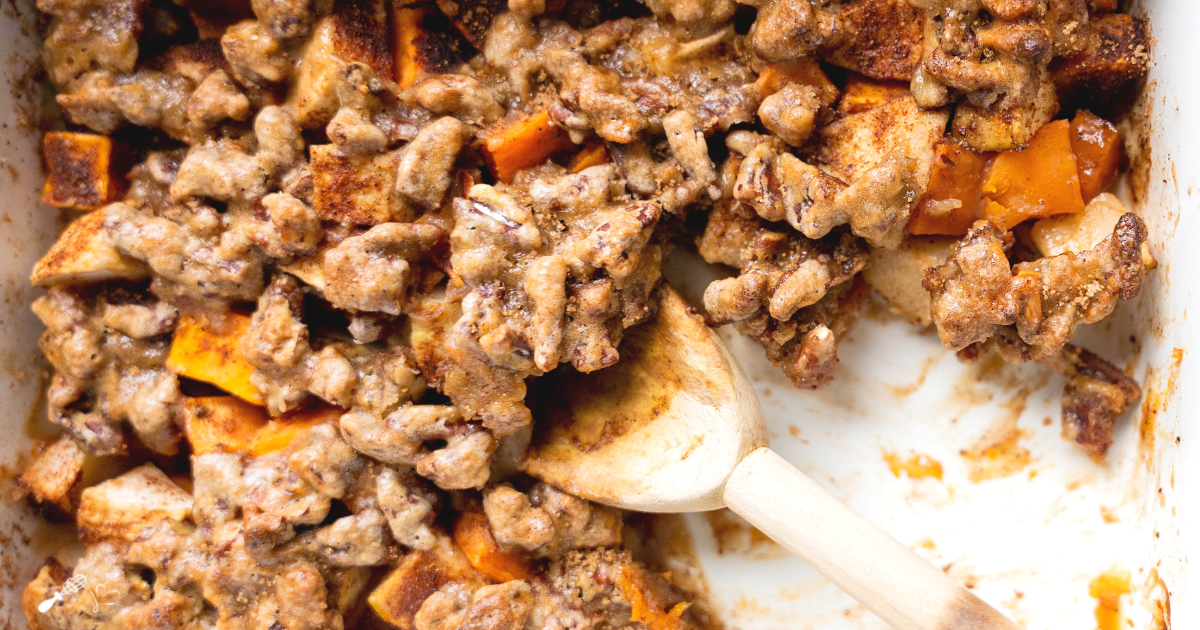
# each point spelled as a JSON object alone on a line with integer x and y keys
{"x": 474, "y": 536}
{"x": 951, "y": 201}
{"x": 355, "y": 31}
{"x": 52, "y": 480}
{"x": 398, "y": 598}
{"x": 424, "y": 43}
{"x": 358, "y": 189}
{"x": 221, "y": 423}
{"x": 894, "y": 127}
{"x": 523, "y": 142}
{"x": 1036, "y": 183}
{"x": 1098, "y": 152}
{"x": 79, "y": 170}
{"x": 83, "y": 254}
{"x": 121, "y": 508}
{"x": 1083, "y": 231}
{"x": 206, "y": 349}
{"x": 1005, "y": 129}
{"x": 896, "y": 274}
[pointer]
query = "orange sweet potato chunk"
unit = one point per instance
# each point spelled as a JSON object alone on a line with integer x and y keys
{"x": 279, "y": 433}
{"x": 523, "y": 143}
{"x": 221, "y": 423}
{"x": 644, "y": 604}
{"x": 593, "y": 154}
{"x": 863, "y": 94}
{"x": 206, "y": 349}
{"x": 79, "y": 170}
{"x": 420, "y": 573}
{"x": 804, "y": 71}
{"x": 474, "y": 536}
{"x": 1038, "y": 182}
{"x": 1098, "y": 152}
{"x": 423, "y": 42}
{"x": 957, "y": 176}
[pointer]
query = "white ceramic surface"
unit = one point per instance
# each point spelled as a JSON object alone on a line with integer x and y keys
{"x": 1029, "y": 542}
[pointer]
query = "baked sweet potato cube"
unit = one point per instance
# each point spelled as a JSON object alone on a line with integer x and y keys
{"x": 473, "y": 18}
{"x": 206, "y": 349}
{"x": 474, "y": 536}
{"x": 82, "y": 254}
{"x": 523, "y": 142}
{"x": 592, "y": 154}
{"x": 398, "y": 598}
{"x": 951, "y": 201}
{"x": 863, "y": 94}
{"x": 221, "y": 423}
{"x": 646, "y": 605}
{"x": 121, "y": 508}
{"x": 52, "y": 480}
{"x": 1118, "y": 52}
{"x": 802, "y": 71}
{"x": 79, "y": 170}
{"x": 424, "y": 43}
{"x": 1036, "y": 183}
{"x": 1098, "y": 150}
{"x": 355, "y": 31}
{"x": 280, "y": 432}
{"x": 357, "y": 189}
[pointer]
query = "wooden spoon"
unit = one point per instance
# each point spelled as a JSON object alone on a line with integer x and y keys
{"x": 676, "y": 427}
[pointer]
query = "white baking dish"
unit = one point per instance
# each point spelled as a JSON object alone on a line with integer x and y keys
{"x": 1029, "y": 541}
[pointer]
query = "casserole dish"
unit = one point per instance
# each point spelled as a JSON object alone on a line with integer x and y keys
{"x": 1010, "y": 508}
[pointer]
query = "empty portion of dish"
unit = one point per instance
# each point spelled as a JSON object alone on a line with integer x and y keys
{"x": 322, "y": 250}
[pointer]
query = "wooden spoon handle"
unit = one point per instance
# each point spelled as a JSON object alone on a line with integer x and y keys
{"x": 874, "y": 568}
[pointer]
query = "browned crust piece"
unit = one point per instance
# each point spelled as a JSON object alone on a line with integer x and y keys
{"x": 472, "y": 18}
{"x": 362, "y": 33}
{"x": 437, "y": 48}
{"x": 882, "y": 39}
{"x": 1096, "y": 394}
{"x": 80, "y": 170}
{"x": 1118, "y": 52}
{"x": 194, "y": 61}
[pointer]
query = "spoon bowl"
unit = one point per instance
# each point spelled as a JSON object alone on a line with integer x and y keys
{"x": 675, "y": 426}
{"x": 661, "y": 430}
